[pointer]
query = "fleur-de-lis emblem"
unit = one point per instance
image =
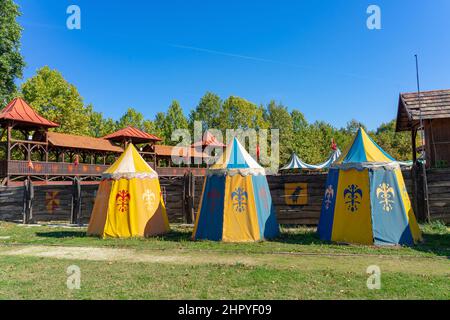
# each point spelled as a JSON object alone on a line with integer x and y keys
{"x": 386, "y": 195}
{"x": 352, "y": 197}
{"x": 239, "y": 198}
{"x": 329, "y": 195}
{"x": 149, "y": 199}
{"x": 123, "y": 198}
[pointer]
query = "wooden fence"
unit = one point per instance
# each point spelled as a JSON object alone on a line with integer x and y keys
{"x": 182, "y": 197}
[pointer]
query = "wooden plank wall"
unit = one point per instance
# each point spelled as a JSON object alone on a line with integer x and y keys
{"x": 11, "y": 203}
{"x": 439, "y": 194}
{"x": 308, "y": 214}
{"x": 53, "y": 203}
{"x": 172, "y": 189}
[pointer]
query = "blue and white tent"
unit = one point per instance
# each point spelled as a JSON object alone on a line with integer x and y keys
{"x": 236, "y": 204}
{"x": 332, "y": 159}
{"x": 295, "y": 163}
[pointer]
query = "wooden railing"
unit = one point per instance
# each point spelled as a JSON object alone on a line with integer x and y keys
{"x": 19, "y": 168}
{"x": 22, "y": 168}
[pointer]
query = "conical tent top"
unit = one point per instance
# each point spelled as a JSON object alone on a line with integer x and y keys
{"x": 130, "y": 165}
{"x": 364, "y": 152}
{"x": 237, "y": 160}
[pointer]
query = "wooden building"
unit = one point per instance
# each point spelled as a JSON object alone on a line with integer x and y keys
{"x": 430, "y": 187}
{"x": 434, "y": 108}
{"x": 142, "y": 140}
{"x": 29, "y": 150}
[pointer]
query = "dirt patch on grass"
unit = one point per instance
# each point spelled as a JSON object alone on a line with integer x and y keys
{"x": 128, "y": 255}
{"x": 297, "y": 263}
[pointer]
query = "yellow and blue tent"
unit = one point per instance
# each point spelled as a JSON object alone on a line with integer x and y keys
{"x": 366, "y": 201}
{"x": 236, "y": 205}
{"x": 129, "y": 201}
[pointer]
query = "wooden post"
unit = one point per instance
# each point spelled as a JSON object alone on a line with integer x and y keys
{"x": 28, "y": 197}
{"x": 76, "y": 201}
{"x": 8, "y": 152}
{"x": 46, "y": 145}
{"x": 414, "y": 145}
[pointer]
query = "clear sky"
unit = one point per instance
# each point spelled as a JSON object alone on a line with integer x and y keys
{"x": 317, "y": 56}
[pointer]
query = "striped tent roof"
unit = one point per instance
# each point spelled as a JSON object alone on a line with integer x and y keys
{"x": 296, "y": 163}
{"x": 332, "y": 159}
{"x": 237, "y": 160}
{"x": 364, "y": 152}
{"x": 130, "y": 165}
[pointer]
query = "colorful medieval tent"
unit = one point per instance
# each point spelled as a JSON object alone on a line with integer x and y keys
{"x": 295, "y": 163}
{"x": 335, "y": 155}
{"x": 366, "y": 201}
{"x": 236, "y": 205}
{"x": 129, "y": 201}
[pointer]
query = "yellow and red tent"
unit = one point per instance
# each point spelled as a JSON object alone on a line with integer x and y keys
{"x": 129, "y": 201}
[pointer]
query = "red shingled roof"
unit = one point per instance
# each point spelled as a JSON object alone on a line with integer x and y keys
{"x": 18, "y": 110}
{"x": 133, "y": 134}
{"x": 63, "y": 140}
{"x": 208, "y": 140}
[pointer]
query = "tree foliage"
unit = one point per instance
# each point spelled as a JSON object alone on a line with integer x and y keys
{"x": 11, "y": 61}
{"x": 166, "y": 123}
{"x": 207, "y": 111}
{"x": 238, "y": 113}
{"x": 57, "y": 100}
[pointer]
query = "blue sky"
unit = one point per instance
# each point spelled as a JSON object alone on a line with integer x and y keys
{"x": 317, "y": 56}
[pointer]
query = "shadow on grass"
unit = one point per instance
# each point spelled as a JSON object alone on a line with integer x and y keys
{"x": 173, "y": 235}
{"x": 438, "y": 244}
{"x": 62, "y": 234}
{"x": 300, "y": 238}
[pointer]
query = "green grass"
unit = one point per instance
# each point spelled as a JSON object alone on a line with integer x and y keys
{"x": 297, "y": 265}
{"x": 294, "y": 240}
{"x": 40, "y": 278}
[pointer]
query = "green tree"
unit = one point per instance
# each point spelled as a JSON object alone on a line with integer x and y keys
{"x": 11, "y": 61}
{"x": 207, "y": 111}
{"x": 98, "y": 125}
{"x": 238, "y": 113}
{"x": 299, "y": 122}
{"x": 159, "y": 124}
{"x": 279, "y": 118}
{"x": 166, "y": 123}
{"x": 132, "y": 118}
{"x": 353, "y": 126}
{"x": 57, "y": 100}
{"x": 397, "y": 144}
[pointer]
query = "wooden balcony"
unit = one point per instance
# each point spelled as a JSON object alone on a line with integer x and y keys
{"x": 53, "y": 170}
{"x": 21, "y": 168}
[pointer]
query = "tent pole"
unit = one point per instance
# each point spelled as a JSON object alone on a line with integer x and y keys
{"x": 424, "y": 170}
